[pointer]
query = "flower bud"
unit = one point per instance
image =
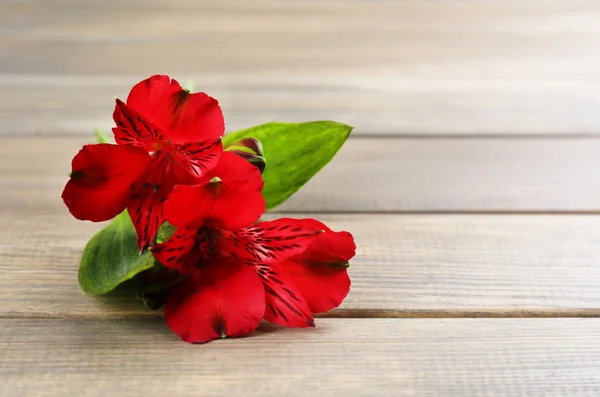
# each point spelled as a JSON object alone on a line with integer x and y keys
{"x": 249, "y": 149}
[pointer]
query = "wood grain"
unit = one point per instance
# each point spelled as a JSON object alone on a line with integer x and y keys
{"x": 470, "y": 185}
{"x": 339, "y": 358}
{"x": 406, "y": 266}
{"x": 375, "y": 175}
{"x": 404, "y": 67}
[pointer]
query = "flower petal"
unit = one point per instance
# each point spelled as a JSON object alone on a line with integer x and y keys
{"x": 238, "y": 201}
{"x": 319, "y": 273}
{"x": 223, "y": 299}
{"x": 183, "y": 251}
{"x": 232, "y": 200}
{"x": 330, "y": 248}
{"x": 101, "y": 178}
{"x": 234, "y": 210}
{"x": 285, "y": 305}
{"x": 232, "y": 169}
{"x": 188, "y": 205}
{"x": 199, "y": 157}
{"x": 146, "y": 212}
{"x": 134, "y": 129}
{"x": 182, "y": 116}
{"x": 150, "y": 192}
{"x": 157, "y": 183}
{"x": 269, "y": 242}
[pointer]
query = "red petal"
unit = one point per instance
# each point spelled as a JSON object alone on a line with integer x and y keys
{"x": 147, "y": 216}
{"x": 233, "y": 202}
{"x": 182, "y": 116}
{"x": 330, "y": 248}
{"x": 269, "y": 242}
{"x": 134, "y": 129}
{"x": 234, "y": 210}
{"x": 150, "y": 191}
{"x": 183, "y": 251}
{"x": 171, "y": 166}
{"x": 222, "y": 299}
{"x": 323, "y": 287}
{"x": 198, "y": 157}
{"x": 187, "y": 205}
{"x": 319, "y": 273}
{"x": 232, "y": 169}
{"x": 285, "y": 304}
{"x": 101, "y": 178}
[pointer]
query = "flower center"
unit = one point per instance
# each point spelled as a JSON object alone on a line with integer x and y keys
{"x": 203, "y": 248}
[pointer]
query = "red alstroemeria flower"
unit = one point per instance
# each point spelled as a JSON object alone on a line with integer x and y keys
{"x": 238, "y": 272}
{"x": 165, "y": 137}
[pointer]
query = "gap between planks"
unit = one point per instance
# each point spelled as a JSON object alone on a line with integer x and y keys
{"x": 356, "y": 313}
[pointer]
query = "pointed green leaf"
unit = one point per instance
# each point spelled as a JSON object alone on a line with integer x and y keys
{"x": 112, "y": 257}
{"x": 294, "y": 153}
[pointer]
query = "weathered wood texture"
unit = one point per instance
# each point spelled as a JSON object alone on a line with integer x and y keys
{"x": 353, "y": 357}
{"x": 407, "y": 265}
{"x": 376, "y": 175}
{"x": 387, "y": 67}
{"x": 463, "y": 108}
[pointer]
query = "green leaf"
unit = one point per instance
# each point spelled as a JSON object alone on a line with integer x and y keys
{"x": 112, "y": 257}
{"x": 295, "y": 152}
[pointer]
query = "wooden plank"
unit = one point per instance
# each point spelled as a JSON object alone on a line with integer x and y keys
{"x": 377, "y": 175}
{"x": 500, "y": 357}
{"x": 410, "y": 67}
{"x": 406, "y": 265}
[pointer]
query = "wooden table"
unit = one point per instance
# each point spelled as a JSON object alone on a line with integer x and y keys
{"x": 471, "y": 183}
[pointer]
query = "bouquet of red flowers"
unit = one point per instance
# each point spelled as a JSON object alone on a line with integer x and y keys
{"x": 186, "y": 204}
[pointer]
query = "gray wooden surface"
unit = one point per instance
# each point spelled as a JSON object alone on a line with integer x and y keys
{"x": 381, "y": 174}
{"x": 342, "y": 357}
{"x": 470, "y": 182}
{"x": 387, "y": 67}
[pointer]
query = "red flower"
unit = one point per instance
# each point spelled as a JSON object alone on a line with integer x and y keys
{"x": 239, "y": 273}
{"x": 165, "y": 137}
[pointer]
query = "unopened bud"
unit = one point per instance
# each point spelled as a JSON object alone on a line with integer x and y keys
{"x": 249, "y": 149}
